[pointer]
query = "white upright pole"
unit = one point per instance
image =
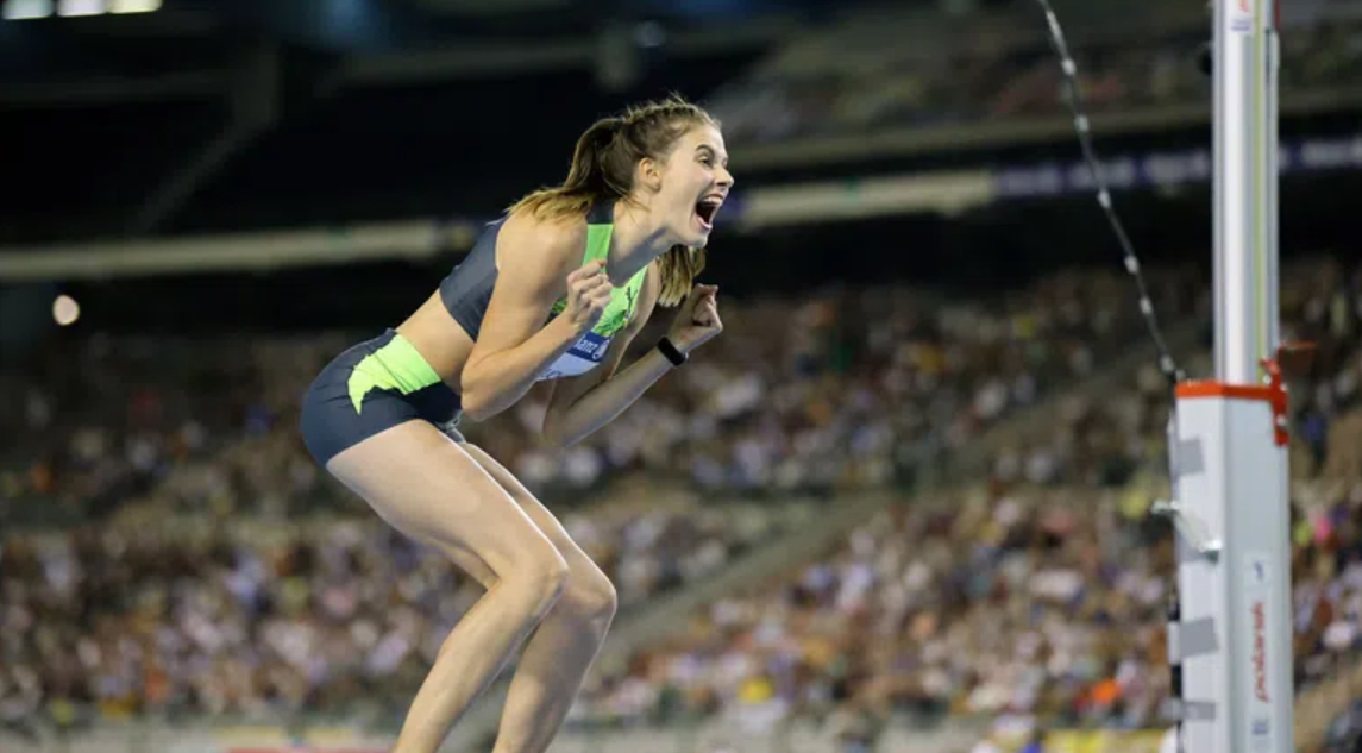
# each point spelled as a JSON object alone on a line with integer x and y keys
{"x": 1234, "y": 578}
{"x": 1245, "y": 188}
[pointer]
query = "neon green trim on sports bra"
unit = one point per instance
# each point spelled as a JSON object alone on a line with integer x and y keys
{"x": 623, "y": 299}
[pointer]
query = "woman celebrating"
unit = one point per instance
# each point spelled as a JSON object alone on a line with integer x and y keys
{"x": 555, "y": 290}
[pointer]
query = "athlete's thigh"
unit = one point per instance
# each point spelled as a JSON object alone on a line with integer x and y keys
{"x": 429, "y": 488}
{"x": 545, "y": 520}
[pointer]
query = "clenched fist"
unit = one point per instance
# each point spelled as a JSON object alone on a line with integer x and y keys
{"x": 698, "y": 320}
{"x": 588, "y": 293}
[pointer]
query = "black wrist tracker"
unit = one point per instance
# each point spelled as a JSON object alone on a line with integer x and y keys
{"x": 670, "y": 352}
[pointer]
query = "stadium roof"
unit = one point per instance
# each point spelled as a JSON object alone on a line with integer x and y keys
{"x": 205, "y": 116}
{"x": 120, "y": 123}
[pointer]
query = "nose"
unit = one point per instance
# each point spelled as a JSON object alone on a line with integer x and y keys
{"x": 725, "y": 178}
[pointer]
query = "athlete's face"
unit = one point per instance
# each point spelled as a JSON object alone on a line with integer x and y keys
{"x": 691, "y": 184}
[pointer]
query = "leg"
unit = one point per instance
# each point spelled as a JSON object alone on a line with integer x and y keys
{"x": 562, "y": 649}
{"x": 430, "y": 489}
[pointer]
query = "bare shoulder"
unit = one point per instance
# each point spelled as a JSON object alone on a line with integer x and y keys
{"x": 530, "y": 240}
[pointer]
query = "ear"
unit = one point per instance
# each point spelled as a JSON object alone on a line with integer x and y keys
{"x": 649, "y": 174}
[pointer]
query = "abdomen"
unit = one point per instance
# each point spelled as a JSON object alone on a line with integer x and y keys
{"x": 439, "y": 339}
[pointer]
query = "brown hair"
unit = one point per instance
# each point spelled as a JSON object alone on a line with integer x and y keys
{"x": 603, "y": 170}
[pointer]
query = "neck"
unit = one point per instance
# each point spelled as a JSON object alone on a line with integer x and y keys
{"x": 634, "y": 244}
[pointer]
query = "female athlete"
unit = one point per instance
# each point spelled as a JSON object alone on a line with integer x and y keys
{"x": 556, "y": 290}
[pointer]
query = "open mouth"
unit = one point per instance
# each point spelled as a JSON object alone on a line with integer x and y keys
{"x": 706, "y": 209}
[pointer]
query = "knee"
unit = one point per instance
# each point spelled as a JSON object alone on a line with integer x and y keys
{"x": 538, "y": 578}
{"x": 589, "y": 596}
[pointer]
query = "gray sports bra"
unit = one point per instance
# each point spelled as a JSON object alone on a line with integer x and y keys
{"x": 467, "y": 290}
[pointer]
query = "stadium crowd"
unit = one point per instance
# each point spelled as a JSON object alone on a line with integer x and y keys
{"x": 1036, "y": 594}
{"x": 793, "y": 397}
{"x": 168, "y": 549}
{"x": 1034, "y": 598}
{"x": 238, "y": 550}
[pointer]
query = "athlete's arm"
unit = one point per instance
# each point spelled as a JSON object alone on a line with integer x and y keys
{"x": 578, "y": 406}
{"x": 514, "y": 345}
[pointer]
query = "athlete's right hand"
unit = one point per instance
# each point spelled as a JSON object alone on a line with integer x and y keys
{"x": 588, "y": 293}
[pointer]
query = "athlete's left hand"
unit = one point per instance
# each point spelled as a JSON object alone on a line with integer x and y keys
{"x": 698, "y": 320}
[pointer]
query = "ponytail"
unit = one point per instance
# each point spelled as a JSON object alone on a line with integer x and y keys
{"x": 591, "y": 161}
{"x": 589, "y": 179}
{"x": 680, "y": 266}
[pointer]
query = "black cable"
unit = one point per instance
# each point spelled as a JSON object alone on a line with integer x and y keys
{"x": 1083, "y": 125}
